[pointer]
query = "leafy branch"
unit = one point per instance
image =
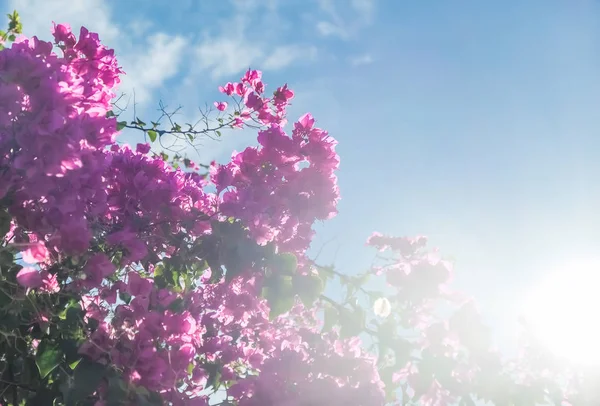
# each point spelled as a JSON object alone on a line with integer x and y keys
{"x": 14, "y": 28}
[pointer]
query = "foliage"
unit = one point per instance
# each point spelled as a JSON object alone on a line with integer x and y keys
{"x": 133, "y": 277}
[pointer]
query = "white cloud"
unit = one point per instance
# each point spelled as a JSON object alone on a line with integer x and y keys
{"x": 364, "y": 59}
{"x": 140, "y": 27}
{"x": 146, "y": 71}
{"x": 342, "y": 21}
{"x": 327, "y": 29}
{"x": 285, "y": 55}
{"x": 238, "y": 45}
{"x": 246, "y": 5}
{"x": 366, "y": 8}
{"x": 226, "y": 56}
{"x": 146, "y": 67}
{"x": 37, "y": 16}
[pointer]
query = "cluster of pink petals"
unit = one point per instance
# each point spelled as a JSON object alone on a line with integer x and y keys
{"x": 281, "y": 188}
{"x": 120, "y": 212}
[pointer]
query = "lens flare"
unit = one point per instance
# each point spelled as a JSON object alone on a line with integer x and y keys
{"x": 562, "y": 312}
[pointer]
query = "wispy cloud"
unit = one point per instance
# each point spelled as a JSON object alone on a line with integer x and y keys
{"x": 342, "y": 21}
{"x": 283, "y": 56}
{"x": 236, "y": 44}
{"x": 226, "y": 56}
{"x": 365, "y": 8}
{"x": 38, "y": 14}
{"x": 336, "y": 29}
{"x": 148, "y": 70}
{"x": 364, "y": 59}
{"x": 147, "y": 67}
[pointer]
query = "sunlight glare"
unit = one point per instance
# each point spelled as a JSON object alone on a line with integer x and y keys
{"x": 562, "y": 312}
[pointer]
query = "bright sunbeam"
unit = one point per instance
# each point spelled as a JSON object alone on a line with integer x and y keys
{"x": 563, "y": 312}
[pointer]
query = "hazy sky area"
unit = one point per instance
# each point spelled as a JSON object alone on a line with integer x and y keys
{"x": 472, "y": 122}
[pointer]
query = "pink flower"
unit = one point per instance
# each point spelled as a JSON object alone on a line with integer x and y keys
{"x": 29, "y": 278}
{"x": 221, "y": 106}
{"x": 142, "y": 148}
{"x": 306, "y": 122}
{"x": 253, "y": 101}
{"x": 138, "y": 286}
{"x": 136, "y": 249}
{"x": 62, "y": 33}
{"x": 49, "y": 282}
{"x": 228, "y": 89}
{"x": 283, "y": 95}
{"x": 98, "y": 267}
{"x": 37, "y": 252}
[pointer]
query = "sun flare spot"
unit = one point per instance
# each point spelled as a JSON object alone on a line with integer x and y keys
{"x": 562, "y": 312}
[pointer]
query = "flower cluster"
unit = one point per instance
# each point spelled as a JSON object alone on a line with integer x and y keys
{"x": 143, "y": 283}
{"x": 280, "y": 189}
{"x": 114, "y": 230}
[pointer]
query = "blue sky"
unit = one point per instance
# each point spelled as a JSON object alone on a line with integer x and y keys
{"x": 472, "y": 122}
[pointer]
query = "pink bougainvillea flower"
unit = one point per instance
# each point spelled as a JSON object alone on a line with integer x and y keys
{"x": 142, "y": 148}
{"x": 228, "y": 89}
{"x": 221, "y": 106}
{"x": 98, "y": 267}
{"x": 29, "y": 278}
{"x": 49, "y": 282}
{"x": 36, "y": 252}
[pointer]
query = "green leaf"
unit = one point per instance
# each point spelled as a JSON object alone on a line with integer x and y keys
{"x": 172, "y": 277}
{"x": 5, "y": 299}
{"x": 214, "y": 375}
{"x": 43, "y": 397}
{"x": 117, "y": 391}
{"x": 6, "y": 258}
{"x": 308, "y": 287}
{"x": 148, "y": 399}
{"x": 124, "y": 296}
{"x": 279, "y": 292}
{"x": 70, "y": 348}
{"x": 121, "y": 125}
{"x": 177, "y": 305}
{"x": 218, "y": 133}
{"x": 5, "y": 219}
{"x": 330, "y": 318}
{"x": 87, "y": 377}
{"x": 72, "y": 313}
{"x": 360, "y": 280}
{"x": 47, "y": 357}
{"x": 352, "y": 322}
{"x": 326, "y": 272}
{"x": 152, "y": 135}
{"x": 74, "y": 364}
{"x": 281, "y": 305}
{"x": 286, "y": 263}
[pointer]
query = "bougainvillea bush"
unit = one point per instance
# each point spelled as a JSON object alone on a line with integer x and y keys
{"x": 129, "y": 277}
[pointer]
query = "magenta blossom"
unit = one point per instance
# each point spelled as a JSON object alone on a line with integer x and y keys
{"x": 221, "y": 106}
{"x": 29, "y": 278}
